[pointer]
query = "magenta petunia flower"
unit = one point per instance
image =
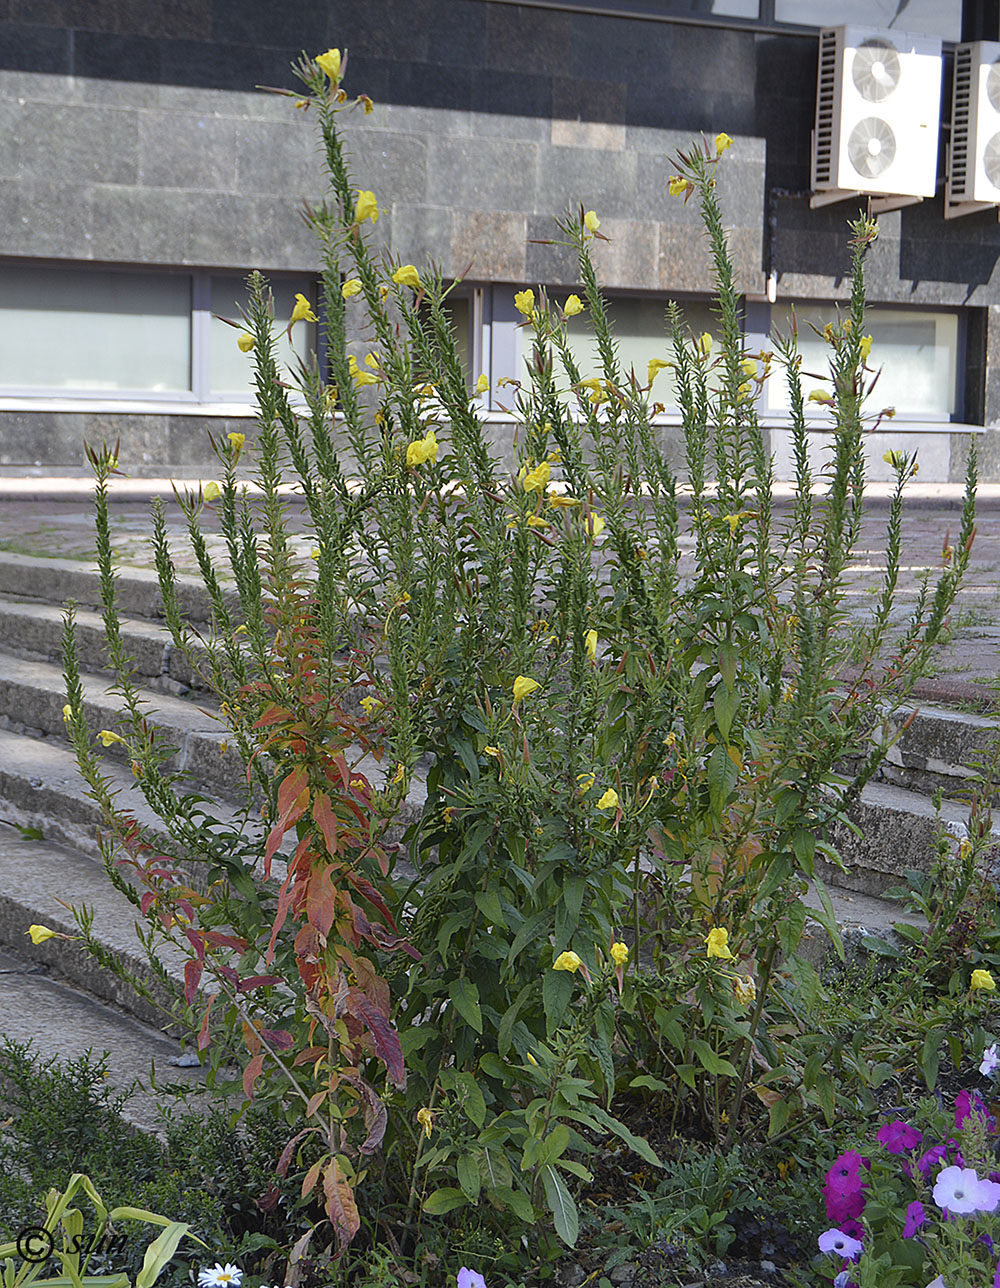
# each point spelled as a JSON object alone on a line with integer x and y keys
{"x": 915, "y": 1217}
{"x": 843, "y": 1205}
{"x": 929, "y": 1160}
{"x": 840, "y": 1244}
{"x": 899, "y": 1137}
{"x": 855, "y": 1229}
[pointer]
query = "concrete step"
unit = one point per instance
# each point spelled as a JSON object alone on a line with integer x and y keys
{"x": 898, "y": 831}
{"x": 858, "y": 915}
{"x": 32, "y": 696}
{"x": 37, "y": 881}
{"x": 935, "y": 753}
{"x": 54, "y": 581}
{"x": 41, "y": 788}
{"x": 64, "y": 1023}
{"x": 34, "y": 631}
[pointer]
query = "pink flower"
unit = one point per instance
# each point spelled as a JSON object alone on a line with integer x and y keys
{"x": 470, "y": 1279}
{"x": 899, "y": 1137}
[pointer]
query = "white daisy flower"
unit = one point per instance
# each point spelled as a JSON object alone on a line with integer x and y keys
{"x": 226, "y": 1276}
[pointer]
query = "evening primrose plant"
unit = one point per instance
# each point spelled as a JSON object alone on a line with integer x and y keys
{"x": 631, "y": 754}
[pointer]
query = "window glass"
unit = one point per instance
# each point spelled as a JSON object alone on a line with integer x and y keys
{"x": 231, "y": 371}
{"x": 70, "y": 329}
{"x": 459, "y": 309}
{"x": 640, "y": 326}
{"x": 921, "y": 17}
{"x": 916, "y": 351}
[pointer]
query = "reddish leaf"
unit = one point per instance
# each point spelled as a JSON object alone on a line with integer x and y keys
{"x": 196, "y": 941}
{"x": 257, "y": 981}
{"x": 272, "y": 716}
{"x": 316, "y": 1101}
{"x": 280, "y": 1038}
{"x": 341, "y": 1208}
{"x": 326, "y": 821}
{"x": 146, "y": 901}
{"x": 251, "y": 1037}
{"x": 365, "y": 888}
{"x": 251, "y": 1073}
{"x": 217, "y": 940}
{"x": 321, "y": 902}
{"x": 192, "y": 977}
{"x": 384, "y": 1035}
{"x": 285, "y": 896}
{"x": 376, "y": 1117}
{"x": 390, "y": 942}
{"x": 204, "y": 1037}
{"x": 285, "y": 1157}
{"x": 292, "y": 787}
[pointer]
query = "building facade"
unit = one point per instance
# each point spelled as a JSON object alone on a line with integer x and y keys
{"x": 143, "y": 171}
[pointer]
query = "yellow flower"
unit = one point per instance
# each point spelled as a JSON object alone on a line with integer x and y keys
{"x": 734, "y": 521}
{"x": 366, "y": 103}
{"x": 302, "y": 312}
{"x": 722, "y": 141}
{"x": 597, "y": 394}
{"x": 749, "y": 368}
{"x": 530, "y": 1059}
{"x": 567, "y": 961}
{"x": 573, "y": 306}
{"x": 212, "y": 491}
{"x": 330, "y": 64}
{"x": 717, "y": 940}
{"x": 609, "y": 800}
{"x": 590, "y": 644}
{"x": 591, "y": 222}
{"x": 865, "y": 345}
{"x": 365, "y": 206}
{"x": 425, "y": 1117}
{"x": 656, "y": 365}
{"x": 895, "y": 459}
{"x": 678, "y": 185}
{"x": 398, "y": 775}
{"x": 369, "y": 705}
{"x": 524, "y": 302}
{"x": 619, "y": 953}
{"x": 820, "y": 396}
{"x": 584, "y": 782}
{"x": 964, "y": 850}
{"x": 670, "y": 740}
{"x": 108, "y": 738}
{"x": 745, "y": 990}
{"x": 523, "y": 686}
{"x": 236, "y": 441}
{"x": 705, "y": 343}
{"x": 351, "y": 287}
{"x": 536, "y": 480}
{"x": 245, "y": 341}
{"x": 535, "y": 521}
{"x": 407, "y": 275}
{"x": 491, "y": 751}
{"x": 362, "y": 378}
{"x": 67, "y": 712}
{"x": 423, "y": 450}
{"x": 482, "y": 384}
{"x": 562, "y": 500}
{"x": 595, "y": 525}
{"x": 982, "y": 979}
{"x": 39, "y": 934}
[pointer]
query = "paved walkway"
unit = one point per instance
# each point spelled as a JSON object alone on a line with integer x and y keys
{"x": 52, "y": 516}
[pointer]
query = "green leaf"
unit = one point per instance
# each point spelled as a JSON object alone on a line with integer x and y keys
{"x": 637, "y": 1144}
{"x": 473, "y": 1103}
{"x": 488, "y": 903}
{"x": 778, "y": 1115}
{"x": 804, "y": 849}
{"x": 558, "y": 987}
{"x": 647, "y": 1082}
{"x": 879, "y": 946}
{"x": 529, "y": 933}
{"x": 159, "y": 1254}
{"x": 930, "y": 1057}
{"x": 725, "y": 705}
{"x": 467, "y": 1169}
{"x": 465, "y": 995}
{"x": 826, "y": 917}
{"x": 791, "y": 926}
{"x": 687, "y": 1074}
{"x": 565, "y": 1217}
{"x": 712, "y": 1063}
{"x": 517, "y": 1201}
{"x": 540, "y": 1153}
{"x": 721, "y": 776}
{"x": 444, "y": 1200}
{"x": 510, "y": 1015}
{"x": 729, "y": 656}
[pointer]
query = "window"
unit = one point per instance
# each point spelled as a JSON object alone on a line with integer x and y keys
{"x": 133, "y": 335}
{"x": 94, "y": 331}
{"x": 941, "y": 18}
{"x": 917, "y": 351}
{"x": 642, "y": 331}
{"x": 230, "y": 372}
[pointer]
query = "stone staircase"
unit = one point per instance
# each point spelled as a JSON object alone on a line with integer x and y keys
{"x": 58, "y": 996}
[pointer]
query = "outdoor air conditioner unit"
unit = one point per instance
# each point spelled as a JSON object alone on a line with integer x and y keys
{"x": 973, "y": 181}
{"x": 877, "y": 109}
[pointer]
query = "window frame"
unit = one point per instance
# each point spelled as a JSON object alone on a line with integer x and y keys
{"x": 199, "y": 397}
